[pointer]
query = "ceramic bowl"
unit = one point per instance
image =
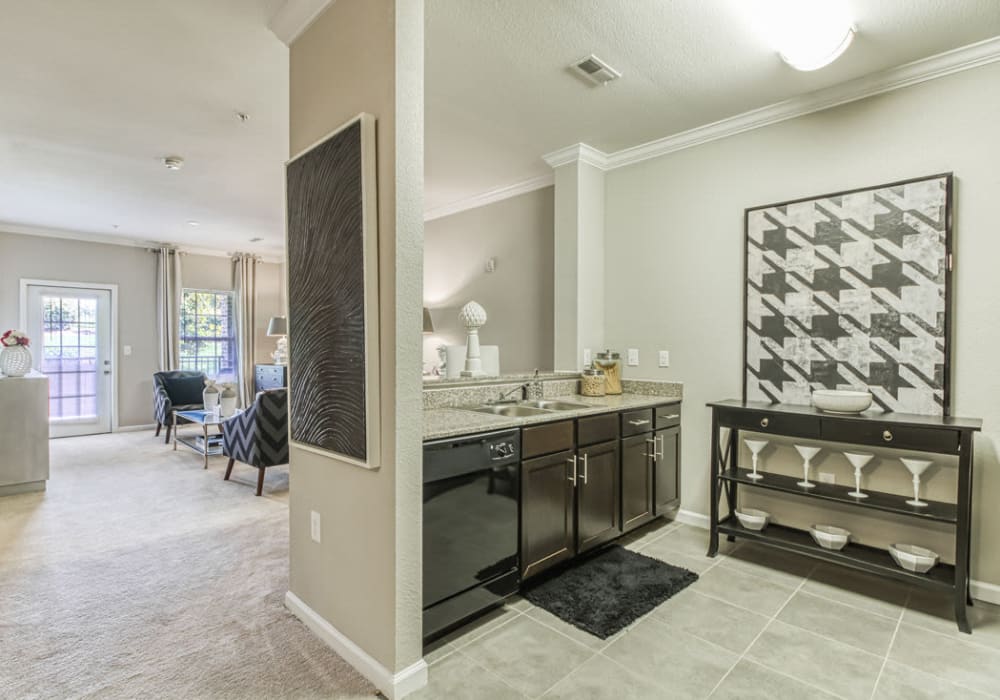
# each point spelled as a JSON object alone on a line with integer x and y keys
{"x": 837, "y": 401}
{"x": 753, "y": 519}
{"x": 913, "y": 558}
{"x": 829, "y": 536}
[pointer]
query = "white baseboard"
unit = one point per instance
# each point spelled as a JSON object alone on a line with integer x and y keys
{"x": 393, "y": 686}
{"x": 981, "y": 590}
{"x": 134, "y": 428}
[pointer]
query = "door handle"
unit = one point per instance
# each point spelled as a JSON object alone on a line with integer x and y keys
{"x": 585, "y": 467}
{"x": 572, "y": 471}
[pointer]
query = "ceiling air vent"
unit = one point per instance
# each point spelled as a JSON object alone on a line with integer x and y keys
{"x": 595, "y": 70}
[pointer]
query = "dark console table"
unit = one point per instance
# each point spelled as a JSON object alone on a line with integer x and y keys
{"x": 947, "y": 436}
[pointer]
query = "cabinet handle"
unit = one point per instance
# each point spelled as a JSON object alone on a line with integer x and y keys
{"x": 638, "y": 422}
{"x": 672, "y": 416}
{"x": 764, "y": 422}
{"x": 572, "y": 471}
{"x": 663, "y": 443}
{"x": 584, "y": 467}
{"x": 887, "y": 436}
{"x": 652, "y": 450}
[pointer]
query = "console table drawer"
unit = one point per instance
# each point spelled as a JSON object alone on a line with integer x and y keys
{"x": 904, "y": 437}
{"x": 774, "y": 423}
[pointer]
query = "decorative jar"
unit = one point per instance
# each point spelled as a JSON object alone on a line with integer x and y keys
{"x": 15, "y": 361}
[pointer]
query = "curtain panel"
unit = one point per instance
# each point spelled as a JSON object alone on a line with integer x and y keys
{"x": 168, "y": 304}
{"x": 245, "y": 287}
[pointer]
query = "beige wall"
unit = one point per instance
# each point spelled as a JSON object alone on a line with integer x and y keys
{"x": 134, "y": 271}
{"x": 675, "y": 264}
{"x": 364, "y": 577}
{"x": 517, "y": 297}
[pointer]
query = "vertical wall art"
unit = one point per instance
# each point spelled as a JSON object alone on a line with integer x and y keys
{"x": 333, "y": 295}
{"x": 852, "y": 290}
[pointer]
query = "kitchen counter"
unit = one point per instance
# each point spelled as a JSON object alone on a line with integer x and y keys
{"x": 451, "y": 422}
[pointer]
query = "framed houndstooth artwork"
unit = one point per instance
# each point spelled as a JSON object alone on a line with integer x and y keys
{"x": 852, "y": 290}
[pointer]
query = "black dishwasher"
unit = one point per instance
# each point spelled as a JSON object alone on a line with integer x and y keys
{"x": 471, "y": 501}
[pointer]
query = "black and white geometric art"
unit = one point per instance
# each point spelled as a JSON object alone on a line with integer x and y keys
{"x": 851, "y": 291}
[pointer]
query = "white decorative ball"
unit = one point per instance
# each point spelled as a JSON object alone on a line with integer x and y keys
{"x": 472, "y": 315}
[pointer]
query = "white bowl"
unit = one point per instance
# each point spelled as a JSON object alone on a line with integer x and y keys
{"x": 753, "y": 519}
{"x": 829, "y": 536}
{"x": 837, "y": 401}
{"x": 913, "y": 558}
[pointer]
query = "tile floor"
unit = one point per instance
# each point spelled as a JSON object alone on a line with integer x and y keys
{"x": 757, "y": 624}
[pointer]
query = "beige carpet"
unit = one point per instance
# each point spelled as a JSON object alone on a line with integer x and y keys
{"x": 140, "y": 575}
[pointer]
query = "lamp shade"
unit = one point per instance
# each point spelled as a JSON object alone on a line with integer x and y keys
{"x": 428, "y": 322}
{"x": 278, "y": 325}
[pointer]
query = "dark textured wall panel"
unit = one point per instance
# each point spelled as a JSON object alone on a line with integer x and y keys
{"x": 326, "y": 301}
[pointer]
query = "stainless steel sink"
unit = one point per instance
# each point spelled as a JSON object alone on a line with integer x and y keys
{"x": 509, "y": 410}
{"x": 554, "y": 405}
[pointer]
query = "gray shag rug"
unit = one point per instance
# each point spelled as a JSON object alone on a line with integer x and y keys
{"x": 140, "y": 575}
{"x": 610, "y": 590}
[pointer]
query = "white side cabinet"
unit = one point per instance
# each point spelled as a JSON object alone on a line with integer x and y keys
{"x": 24, "y": 433}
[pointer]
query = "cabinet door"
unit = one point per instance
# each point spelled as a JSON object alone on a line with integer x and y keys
{"x": 667, "y": 474}
{"x": 637, "y": 481}
{"x": 598, "y": 496}
{"x": 547, "y": 497}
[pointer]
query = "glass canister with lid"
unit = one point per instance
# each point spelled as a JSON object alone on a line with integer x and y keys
{"x": 611, "y": 363}
{"x": 593, "y": 382}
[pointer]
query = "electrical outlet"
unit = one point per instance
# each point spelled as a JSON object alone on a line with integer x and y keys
{"x": 664, "y": 358}
{"x": 633, "y": 357}
{"x": 314, "y": 523}
{"x": 588, "y": 357}
{"x": 827, "y": 478}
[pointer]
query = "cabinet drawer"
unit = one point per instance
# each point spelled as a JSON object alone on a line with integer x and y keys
{"x": 668, "y": 416}
{"x": 546, "y": 439}
{"x": 904, "y": 437}
{"x": 635, "y": 422}
{"x": 776, "y": 423}
{"x": 595, "y": 429}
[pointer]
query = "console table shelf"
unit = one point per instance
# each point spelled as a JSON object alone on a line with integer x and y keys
{"x": 856, "y": 556}
{"x": 877, "y": 500}
{"x": 941, "y": 436}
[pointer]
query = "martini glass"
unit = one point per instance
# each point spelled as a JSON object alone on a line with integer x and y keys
{"x": 916, "y": 467}
{"x": 755, "y": 447}
{"x": 807, "y": 452}
{"x": 858, "y": 460}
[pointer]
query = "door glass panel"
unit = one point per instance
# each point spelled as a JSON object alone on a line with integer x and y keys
{"x": 69, "y": 327}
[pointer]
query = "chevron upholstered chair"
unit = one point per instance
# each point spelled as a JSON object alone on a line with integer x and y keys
{"x": 176, "y": 390}
{"x": 258, "y": 437}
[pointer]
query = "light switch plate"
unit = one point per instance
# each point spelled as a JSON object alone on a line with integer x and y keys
{"x": 664, "y": 358}
{"x": 588, "y": 357}
{"x": 827, "y": 478}
{"x": 314, "y": 526}
{"x": 633, "y": 357}
{"x": 126, "y": 350}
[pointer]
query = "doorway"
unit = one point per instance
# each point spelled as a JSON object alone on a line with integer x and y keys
{"x": 72, "y": 329}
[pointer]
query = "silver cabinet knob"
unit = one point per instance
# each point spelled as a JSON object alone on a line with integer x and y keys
{"x": 887, "y": 436}
{"x": 764, "y": 422}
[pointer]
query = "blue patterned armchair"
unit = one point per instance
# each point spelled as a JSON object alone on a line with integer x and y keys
{"x": 176, "y": 390}
{"x": 258, "y": 437}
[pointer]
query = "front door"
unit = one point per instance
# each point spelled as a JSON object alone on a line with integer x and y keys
{"x": 70, "y": 331}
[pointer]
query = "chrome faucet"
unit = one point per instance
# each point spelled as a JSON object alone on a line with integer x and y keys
{"x": 522, "y": 388}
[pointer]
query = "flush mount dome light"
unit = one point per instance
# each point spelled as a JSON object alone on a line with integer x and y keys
{"x": 808, "y": 34}
{"x": 173, "y": 162}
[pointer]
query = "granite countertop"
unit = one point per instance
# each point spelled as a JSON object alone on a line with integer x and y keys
{"x": 452, "y": 422}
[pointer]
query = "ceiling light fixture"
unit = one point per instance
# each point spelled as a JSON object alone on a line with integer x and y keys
{"x": 194, "y": 223}
{"x": 243, "y": 117}
{"x": 808, "y": 34}
{"x": 256, "y": 239}
{"x": 173, "y": 162}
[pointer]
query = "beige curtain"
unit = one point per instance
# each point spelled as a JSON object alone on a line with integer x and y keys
{"x": 168, "y": 304}
{"x": 245, "y": 286}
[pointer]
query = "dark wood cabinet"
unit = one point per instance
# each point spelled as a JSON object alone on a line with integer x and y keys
{"x": 547, "y": 504}
{"x": 666, "y": 472}
{"x": 637, "y": 481}
{"x": 598, "y": 506}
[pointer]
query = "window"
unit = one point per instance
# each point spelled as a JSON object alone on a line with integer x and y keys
{"x": 208, "y": 333}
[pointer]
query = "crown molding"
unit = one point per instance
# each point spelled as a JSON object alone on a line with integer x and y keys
{"x": 294, "y": 17}
{"x": 105, "y": 239}
{"x": 938, "y": 66}
{"x": 491, "y": 196}
{"x": 578, "y": 152}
